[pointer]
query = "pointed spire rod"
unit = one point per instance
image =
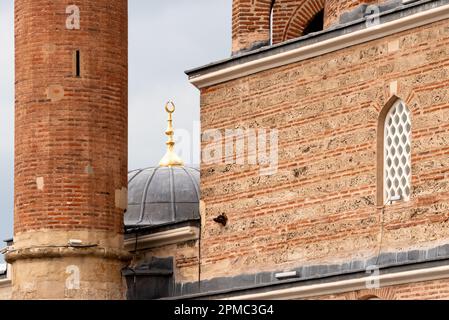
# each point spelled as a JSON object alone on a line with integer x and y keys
{"x": 170, "y": 158}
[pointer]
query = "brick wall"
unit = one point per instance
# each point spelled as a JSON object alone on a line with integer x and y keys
{"x": 250, "y": 24}
{"x": 426, "y": 290}
{"x": 251, "y": 19}
{"x": 185, "y": 259}
{"x": 321, "y": 206}
{"x": 70, "y": 148}
{"x": 71, "y": 133}
{"x": 290, "y": 17}
{"x": 335, "y": 8}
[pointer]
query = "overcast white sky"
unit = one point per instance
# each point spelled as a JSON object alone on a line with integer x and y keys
{"x": 166, "y": 37}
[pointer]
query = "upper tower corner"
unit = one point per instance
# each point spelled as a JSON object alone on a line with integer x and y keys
{"x": 257, "y": 23}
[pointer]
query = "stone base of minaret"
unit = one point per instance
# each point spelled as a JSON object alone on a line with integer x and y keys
{"x": 45, "y": 266}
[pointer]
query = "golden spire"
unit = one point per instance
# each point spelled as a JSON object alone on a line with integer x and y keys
{"x": 170, "y": 159}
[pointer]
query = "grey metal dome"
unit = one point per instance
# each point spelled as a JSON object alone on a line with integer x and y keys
{"x": 162, "y": 195}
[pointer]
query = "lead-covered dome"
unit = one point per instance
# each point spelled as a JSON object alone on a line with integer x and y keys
{"x": 162, "y": 195}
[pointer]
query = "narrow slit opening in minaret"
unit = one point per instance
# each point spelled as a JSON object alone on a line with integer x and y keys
{"x": 77, "y": 63}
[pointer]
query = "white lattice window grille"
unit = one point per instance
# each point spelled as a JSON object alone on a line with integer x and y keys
{"x": 397, "y": 153}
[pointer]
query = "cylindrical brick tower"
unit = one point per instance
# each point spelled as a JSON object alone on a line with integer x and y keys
{"x": 70, "y": 149}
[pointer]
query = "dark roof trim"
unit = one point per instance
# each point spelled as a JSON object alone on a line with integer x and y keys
{"x": 389, "y": 262}
{"x": 390, "y": 15}
{"x": 287, "y": 284}
{"x": 131, "y": 231}
{"x": 146, "y": 273}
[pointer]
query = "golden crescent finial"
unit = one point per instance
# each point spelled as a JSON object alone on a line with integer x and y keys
{"x": 173, "y": 108}
{"x": 170, "y": 159}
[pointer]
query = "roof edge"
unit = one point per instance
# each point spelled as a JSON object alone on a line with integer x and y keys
{"x": 402, "y": 18}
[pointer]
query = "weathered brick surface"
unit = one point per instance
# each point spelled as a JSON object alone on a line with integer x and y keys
{"x": 426, "y": 290}
{"x": 335, "y": 8}
{"x": 251, "y": 19}
{"x": 250, "y": 23}
{"x": 185, "y": 259}
{"x": 290, "y": 17}
{"x": 71, "y": 133}
{"x": 70, "y": 148}
{"x": 321, "y": 206}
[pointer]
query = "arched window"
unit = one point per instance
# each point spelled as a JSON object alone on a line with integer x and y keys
{"x": 397, "y": 153}
{"x": 316, "y": 24}
{"x": 292, "y": 19}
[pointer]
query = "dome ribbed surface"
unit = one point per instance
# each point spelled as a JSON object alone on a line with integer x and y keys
{"x": 162, "y": 195}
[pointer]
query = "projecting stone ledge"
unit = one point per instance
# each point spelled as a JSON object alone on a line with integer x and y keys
{"x": 60, "y": 252}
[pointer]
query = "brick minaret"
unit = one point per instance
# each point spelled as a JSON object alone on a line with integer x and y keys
{"x": 70, "y": 149}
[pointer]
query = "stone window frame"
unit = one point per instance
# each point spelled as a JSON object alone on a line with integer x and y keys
{"x": 381, "y": 158}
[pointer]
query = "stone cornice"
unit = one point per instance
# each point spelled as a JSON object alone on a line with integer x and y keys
{"x": 162, "y": 238}
{"x": 5, "y": 283}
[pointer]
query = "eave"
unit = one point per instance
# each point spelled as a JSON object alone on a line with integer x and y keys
{"x": 403, "y": 18}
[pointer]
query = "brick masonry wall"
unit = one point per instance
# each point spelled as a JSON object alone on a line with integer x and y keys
{"x": 427, "y": 290}
{"x": 71, "y": 133}
{"x": 290, "y": 17}
{"x": 185, "y": 259}
{"x": 321, "y": 206}
{"x": 335, "y": 8}
{"x": 251, "y": 19}
{"x": 250, "y": 23}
